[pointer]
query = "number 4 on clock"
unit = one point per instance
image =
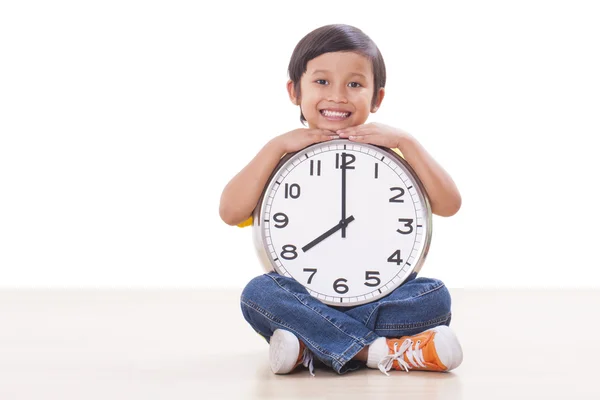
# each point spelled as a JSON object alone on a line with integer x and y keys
{"x": 396, "y": 258}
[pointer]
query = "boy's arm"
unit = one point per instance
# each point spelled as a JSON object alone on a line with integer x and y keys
{"x": 443, "y": 194}
{"x": 243, "y": 191}
{"x": 240, "y": 196}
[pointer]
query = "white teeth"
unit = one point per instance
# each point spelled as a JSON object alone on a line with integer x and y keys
{"x": 328, "y": 113}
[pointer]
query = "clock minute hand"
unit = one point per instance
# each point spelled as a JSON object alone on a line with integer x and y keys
{"x": 330, "y": 232}
{"x": 343, "y": 193}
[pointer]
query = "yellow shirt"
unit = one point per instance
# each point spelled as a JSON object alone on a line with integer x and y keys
{"x": 248, "y": 222}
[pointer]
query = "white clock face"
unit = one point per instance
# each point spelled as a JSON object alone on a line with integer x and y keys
{"x": 345, "y": 248}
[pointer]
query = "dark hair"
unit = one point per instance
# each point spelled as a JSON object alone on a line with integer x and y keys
{"x": 331, "y": 38}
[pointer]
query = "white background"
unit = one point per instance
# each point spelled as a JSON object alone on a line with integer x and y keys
{"x": 122, "y": 121}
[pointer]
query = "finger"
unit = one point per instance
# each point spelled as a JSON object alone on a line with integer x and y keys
{"x": 347, "y": 132}
{"x": 355, "y": 131}
{"x": 324, "y": 136}
{"x": 362, "y": 133}
{"x": 319, "y": 132}
{"x": 371, "y": 139}
{"x": 329, "y": 133}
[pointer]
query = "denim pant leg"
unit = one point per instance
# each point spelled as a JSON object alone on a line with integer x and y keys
{"x": 272, "y": 301}
{"x": 415, "y": 306}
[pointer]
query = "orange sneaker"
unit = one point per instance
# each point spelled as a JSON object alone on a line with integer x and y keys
{"x": 435, "y": 349}
{"x": 286, "y": 352}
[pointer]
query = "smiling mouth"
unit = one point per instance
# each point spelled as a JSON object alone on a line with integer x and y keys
{"x": 335, "y": 115}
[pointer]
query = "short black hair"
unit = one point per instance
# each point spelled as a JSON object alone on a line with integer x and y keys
{"x": 332, "y": 38}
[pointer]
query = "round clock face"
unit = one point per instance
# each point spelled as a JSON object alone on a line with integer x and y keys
{"x": 348, "y": 221}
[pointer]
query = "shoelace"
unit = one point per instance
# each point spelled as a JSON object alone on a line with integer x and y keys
{"x": 307, "y": 361}
{"x": 415, "y": 357}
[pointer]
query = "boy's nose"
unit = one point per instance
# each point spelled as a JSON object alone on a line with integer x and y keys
{"x": 337, "y": 95}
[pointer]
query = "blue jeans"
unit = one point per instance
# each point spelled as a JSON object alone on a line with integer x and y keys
{"x": 336, "y": 334}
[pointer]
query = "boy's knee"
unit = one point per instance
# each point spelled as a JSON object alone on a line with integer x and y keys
{"x": 442, "y": 298}
{"x": 259, "y": 287}
{"x": 445, "y": 299}
{"x": 435, "y": 295}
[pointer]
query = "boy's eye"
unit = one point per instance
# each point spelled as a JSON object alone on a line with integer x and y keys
{"x": 351, "y": 84}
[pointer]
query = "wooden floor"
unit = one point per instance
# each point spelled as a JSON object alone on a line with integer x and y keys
{"x": 195, "y": 345}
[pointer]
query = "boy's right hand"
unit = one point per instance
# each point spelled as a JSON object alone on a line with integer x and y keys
{"x": 300, "y": 138}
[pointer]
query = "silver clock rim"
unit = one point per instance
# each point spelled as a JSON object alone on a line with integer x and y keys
{"x": 258, "y": 234}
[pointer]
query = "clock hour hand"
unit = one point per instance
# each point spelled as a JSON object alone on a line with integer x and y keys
{"x": 330, "y": 232}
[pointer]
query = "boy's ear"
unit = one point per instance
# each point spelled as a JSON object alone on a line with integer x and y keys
{"x": 380, "y": 96}
{"x": 292, "y": 92}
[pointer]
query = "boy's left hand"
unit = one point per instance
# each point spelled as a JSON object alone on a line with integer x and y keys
{"x": 374, "y": 133}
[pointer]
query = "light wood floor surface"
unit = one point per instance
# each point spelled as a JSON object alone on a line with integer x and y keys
{"x": 187, "y": 344}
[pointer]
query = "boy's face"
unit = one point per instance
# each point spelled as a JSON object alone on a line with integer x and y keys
{"x": 336, "y": 91}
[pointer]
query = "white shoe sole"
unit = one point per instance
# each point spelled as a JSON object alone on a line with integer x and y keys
{"x": 283, "y": 351}
{"x": 447, "y": 347}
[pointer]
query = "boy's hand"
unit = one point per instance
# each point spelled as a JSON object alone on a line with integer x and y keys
{"x": 374, "y": 133}
{"x": 300, "y": 138}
